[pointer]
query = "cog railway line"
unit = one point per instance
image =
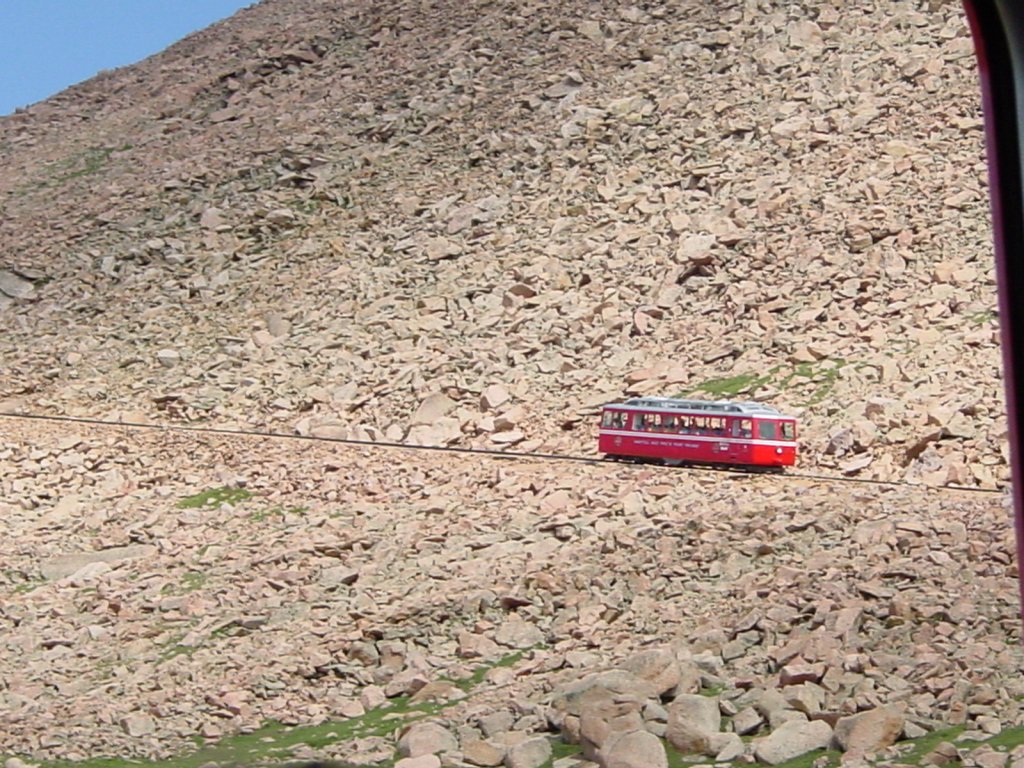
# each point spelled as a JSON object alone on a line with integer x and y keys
{"x": 508, "y": 455}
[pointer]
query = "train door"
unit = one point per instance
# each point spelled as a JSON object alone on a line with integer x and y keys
{"x": 742, "y": 430}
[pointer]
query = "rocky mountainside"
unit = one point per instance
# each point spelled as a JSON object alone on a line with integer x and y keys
{"x": 470, "y": 224}
{"x": 163, "y": 587}
{"x": 315, "y": 215}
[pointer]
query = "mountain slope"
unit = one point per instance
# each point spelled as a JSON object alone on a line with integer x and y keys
{"x": 574, "y": 203}
{"x": 470, "y": 224}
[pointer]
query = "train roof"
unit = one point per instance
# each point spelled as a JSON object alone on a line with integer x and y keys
{"x": 702, "y": 406}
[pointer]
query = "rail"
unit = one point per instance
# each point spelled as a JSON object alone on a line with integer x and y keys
{"x": 484, "y": 452}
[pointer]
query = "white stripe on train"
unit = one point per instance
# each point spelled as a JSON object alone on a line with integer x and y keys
{"x": 702, "y": 438}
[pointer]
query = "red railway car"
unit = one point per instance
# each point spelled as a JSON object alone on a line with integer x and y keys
{"x": 698, "y": 432}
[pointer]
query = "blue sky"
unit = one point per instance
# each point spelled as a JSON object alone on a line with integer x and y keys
{"x": 47, "y": 45}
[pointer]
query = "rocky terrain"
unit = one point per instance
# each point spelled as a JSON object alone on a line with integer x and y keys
{"x": 323, "y": 583}
{"x": 348, "y": 207}
{"x": 470, "y": 225}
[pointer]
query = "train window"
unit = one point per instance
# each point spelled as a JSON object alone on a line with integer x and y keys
{"x": 608, "y": 419}
{"x": 766, "y": 430}
{"x": 656, "y": 421}
{"x": 639, "y": 422}
{"x": 670, "y": 422}
{"x": 743, "y": 428}
{"x": 789, "y": 430}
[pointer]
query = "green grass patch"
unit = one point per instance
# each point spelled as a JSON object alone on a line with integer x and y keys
{"x": 193, "y": 580}
{"x": 816, "y": 374}
{"x": 20, "y": 582}
{"x": 831, "y": 759}
{"x": 84, "y": 163}
{"x": 712, "y": 691}
{"x": 731, "y": 386}
{"x": 677, "y": 759}
{"x": 173, "y": 648}
{"x": 1005, "y": 740}
{"x": 480, "y": 673}
{"x": 215, "y": 497}
{"x": 819, "y": 377}
{"x": 265, "y": 514}
{"x": 275, "y": 743}
{"x": 307, "y": 206}
{"x": 560, "y": 749}
{"x": 190, "y": 582}
{"x": 924, "y": 745}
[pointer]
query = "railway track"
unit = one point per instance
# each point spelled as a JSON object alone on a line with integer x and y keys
{"x": 510, "y": 455}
